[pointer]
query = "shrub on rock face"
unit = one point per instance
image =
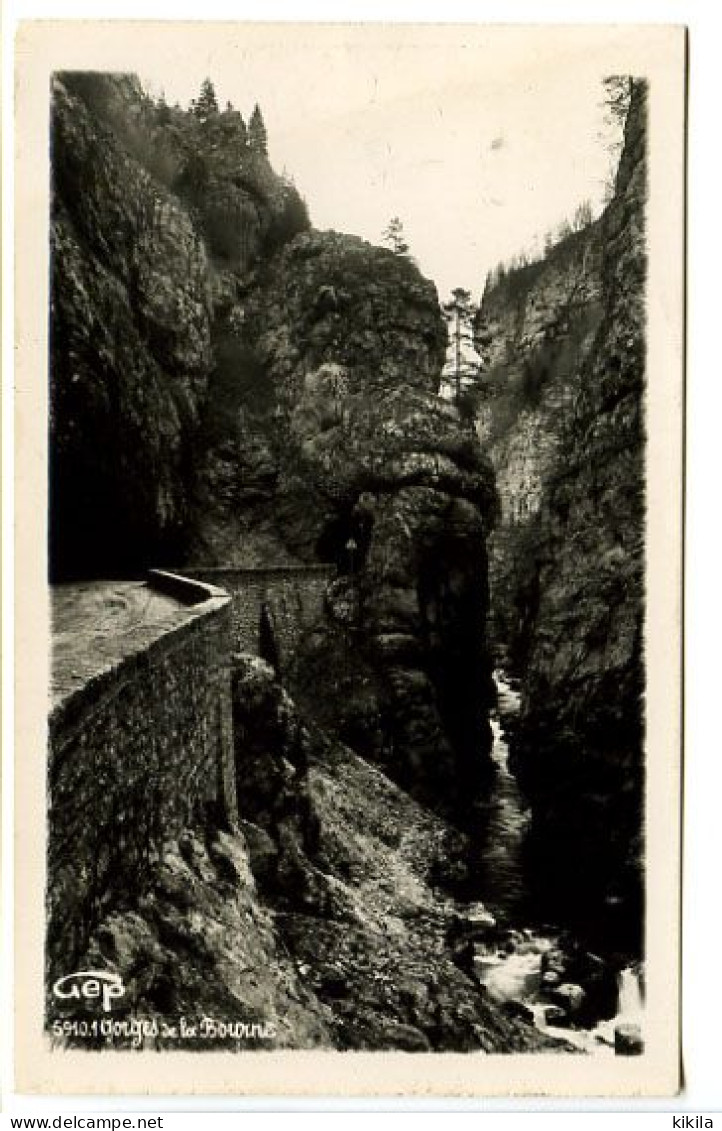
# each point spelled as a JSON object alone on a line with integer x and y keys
{"x": 289, "y": 220}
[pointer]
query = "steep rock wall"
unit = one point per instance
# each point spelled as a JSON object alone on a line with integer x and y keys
{"x": 579, "y": 747}
{"x": 158, "y": 221}
{"x": 130, "y": 352}
{"x": 380, "y": 477}
{"x": 534, "y": 329}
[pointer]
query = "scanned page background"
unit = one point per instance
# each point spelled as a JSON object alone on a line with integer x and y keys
{"x": 657, "y": 53}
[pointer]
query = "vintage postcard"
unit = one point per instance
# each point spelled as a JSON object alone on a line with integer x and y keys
{"x": 349, "y": 409}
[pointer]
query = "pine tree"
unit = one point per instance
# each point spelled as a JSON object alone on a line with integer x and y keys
{"x": 394, "y": 237}
{"x": 459, "y": 313}
{"x": 617, "y": 96}
{"x": 206, "y": 105}
{"x": 257, "y": 136}
{"x": 564, "y": 231}
{"x": 163, "y": 113}
{"x": 583, "y": 216}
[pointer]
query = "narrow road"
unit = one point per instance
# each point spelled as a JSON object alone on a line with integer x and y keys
{"x": 96, "y": 623}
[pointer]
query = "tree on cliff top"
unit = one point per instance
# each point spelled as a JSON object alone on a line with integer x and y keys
{"x": 257, "y": 135}
{"x": 206, "y": 105}
{"x": 583, "y": 216}
{"x": 459, "y": 312}
{"x": 617, "y": 96}
{"x": 616, "y": 100}
{"x": 394, "y": 237}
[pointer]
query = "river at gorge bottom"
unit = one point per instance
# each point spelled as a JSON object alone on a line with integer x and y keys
{"x": 534, "y": 969}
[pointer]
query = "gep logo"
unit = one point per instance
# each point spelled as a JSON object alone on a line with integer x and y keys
{"x": 91, "y": 985}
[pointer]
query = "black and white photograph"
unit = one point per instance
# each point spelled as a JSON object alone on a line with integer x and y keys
{"x": 361, "y": 438}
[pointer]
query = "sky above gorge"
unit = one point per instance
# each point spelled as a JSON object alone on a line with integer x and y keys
{"x": 480, "y": 140}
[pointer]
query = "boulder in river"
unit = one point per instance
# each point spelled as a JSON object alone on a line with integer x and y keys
{"x": 519, "y": 1009}
{"x": 569, "y": 996}
{"x": 628, "y": 1040}
{"x": 555, "y": 1015}
{"x": 555, "y": 961}
{"x": 550, "y": 979}
{"x": 477, "y": 922}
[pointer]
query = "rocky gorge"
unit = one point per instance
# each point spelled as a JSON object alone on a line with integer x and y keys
{"x": 569, "y": 552}
{"x": 230, "y": 387}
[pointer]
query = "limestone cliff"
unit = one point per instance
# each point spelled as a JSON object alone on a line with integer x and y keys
{"x": 155, "y": 224}
{"x": 533, "y": 329}
{"x": 330, "y": 325}
{"x": 578, "y": 748}
{"x": 130, "y": 351}
{"x": 378, "y": 476}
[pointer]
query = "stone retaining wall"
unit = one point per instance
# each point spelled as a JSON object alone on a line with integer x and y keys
{"x": 294, "y": 596}
{"x": 135, "y": 754}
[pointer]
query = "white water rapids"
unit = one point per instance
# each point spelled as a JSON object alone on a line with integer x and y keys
{"x": 515, "y": 974}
